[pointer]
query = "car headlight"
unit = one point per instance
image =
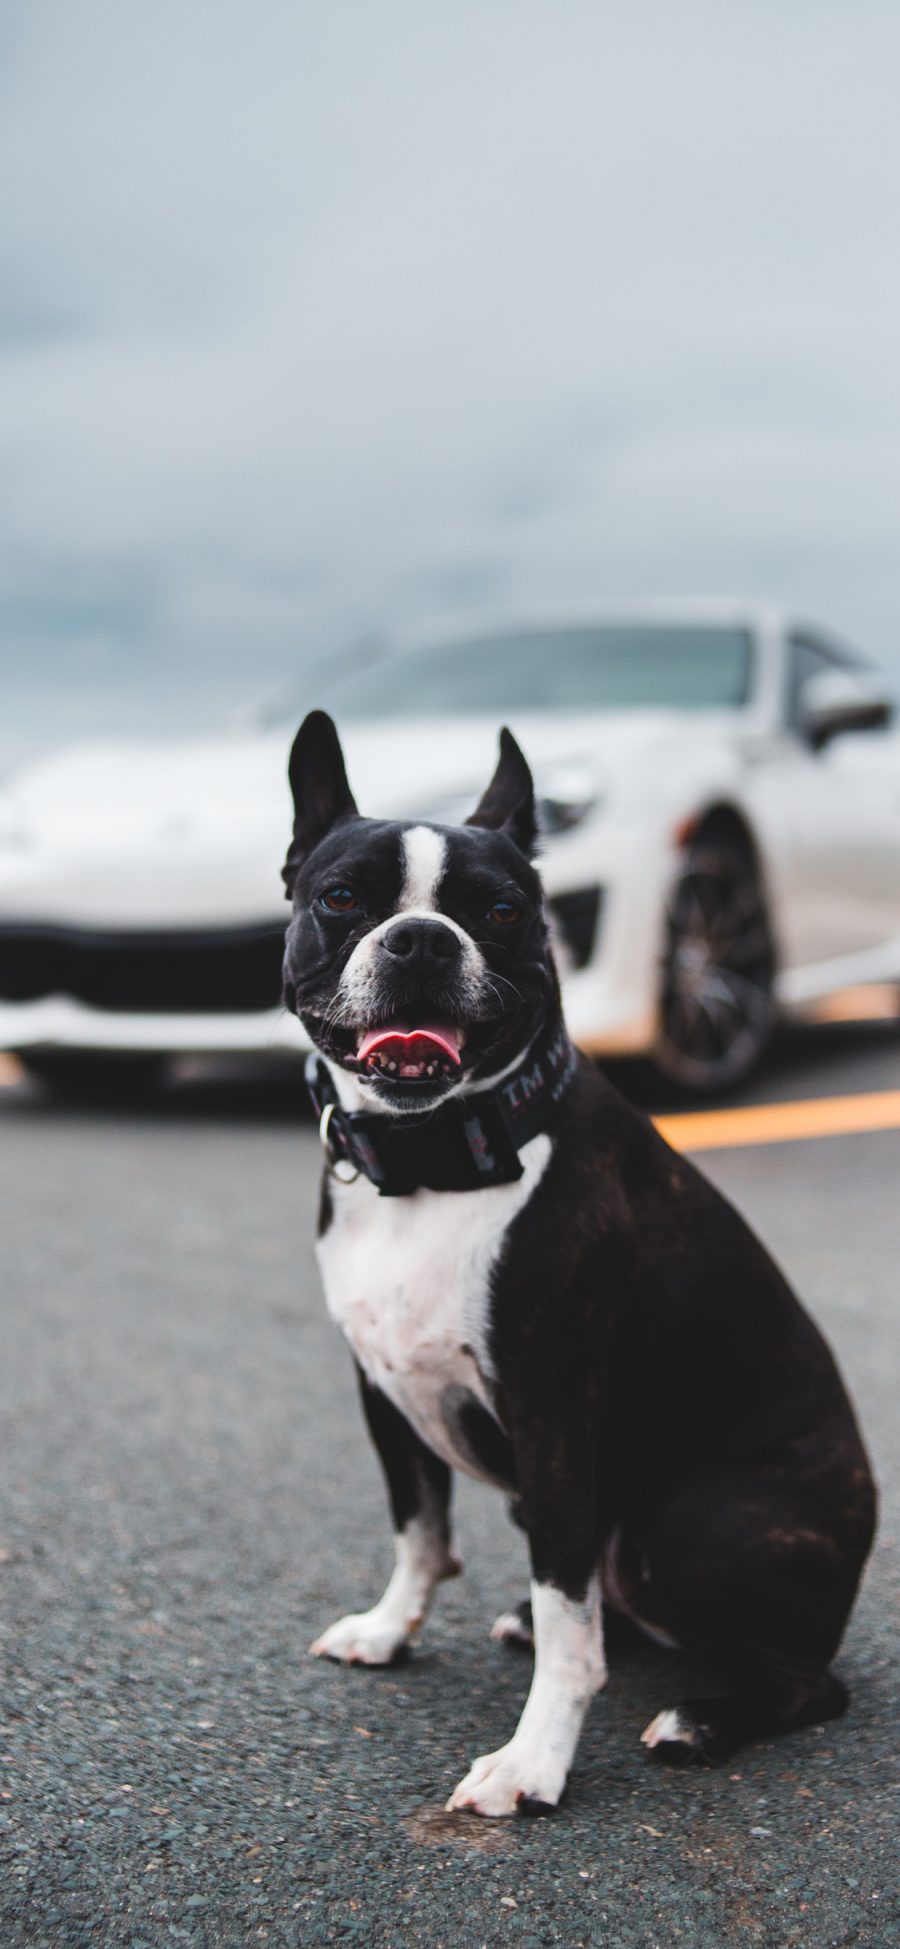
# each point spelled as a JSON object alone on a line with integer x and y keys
{"x": 565, "y": 796}
{"x": 560, "y": 815}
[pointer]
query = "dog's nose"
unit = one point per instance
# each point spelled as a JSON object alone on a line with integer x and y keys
{"x": 422, "y": 946}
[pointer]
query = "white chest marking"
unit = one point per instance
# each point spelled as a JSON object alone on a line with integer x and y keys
{"x": 408, "y": 1282}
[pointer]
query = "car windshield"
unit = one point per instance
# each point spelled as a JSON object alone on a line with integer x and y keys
{"x": 604, "y": 667}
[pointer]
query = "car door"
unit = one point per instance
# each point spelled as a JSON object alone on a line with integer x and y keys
{"x": 841, "y": 884}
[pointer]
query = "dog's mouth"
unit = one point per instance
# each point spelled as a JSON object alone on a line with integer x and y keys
{"x": 428, "y": 1052}
{"x": 417, "y": 1050}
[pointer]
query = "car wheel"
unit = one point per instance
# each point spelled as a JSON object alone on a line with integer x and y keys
{"x": 717, "y": 1008}
{"x": 93, "y": 1077}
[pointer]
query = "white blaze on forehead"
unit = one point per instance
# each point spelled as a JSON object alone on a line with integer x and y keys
{"x": 424, "y": 854}
{"x": 362, "y": 995}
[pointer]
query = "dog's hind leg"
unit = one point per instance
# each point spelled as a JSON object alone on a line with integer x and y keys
{"x": 515, "y": 1627}
{"x": 419, "y": 1490}
{"x": 710, "y": 1730}
{"x": 754, "y": 1575}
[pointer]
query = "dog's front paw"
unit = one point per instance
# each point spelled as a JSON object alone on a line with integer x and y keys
{"x": 512, "y": 1781}
{"x": 366, "y": 1639}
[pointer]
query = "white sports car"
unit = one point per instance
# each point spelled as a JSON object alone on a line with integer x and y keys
{"x": 721, "y": 809}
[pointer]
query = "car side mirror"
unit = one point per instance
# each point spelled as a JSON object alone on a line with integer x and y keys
{"x": 838, "y": 700}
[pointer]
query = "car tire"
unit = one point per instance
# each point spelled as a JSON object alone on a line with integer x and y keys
{"x": 717, "y": 1007}
{"x": 94, "y": 1077}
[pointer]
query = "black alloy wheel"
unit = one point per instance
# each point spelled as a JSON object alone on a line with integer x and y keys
{"x": 717, "y": 1008}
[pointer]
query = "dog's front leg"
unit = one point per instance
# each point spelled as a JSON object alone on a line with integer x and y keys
{"x": 530, "y": 1772}
{"x": 419, "y": 1489}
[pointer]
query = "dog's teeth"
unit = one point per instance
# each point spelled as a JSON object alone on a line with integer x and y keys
{"x": 424, "y": 1069}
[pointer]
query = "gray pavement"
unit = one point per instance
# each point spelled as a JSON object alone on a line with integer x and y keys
{"x": 188, "y": 1497}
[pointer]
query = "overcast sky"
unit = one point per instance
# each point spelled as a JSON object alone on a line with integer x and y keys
{"x": 315, "y": 318}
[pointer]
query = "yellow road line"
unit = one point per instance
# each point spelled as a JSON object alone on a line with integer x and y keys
{"x": 782, "y": 1123}
{"x": 10, "y": 1071}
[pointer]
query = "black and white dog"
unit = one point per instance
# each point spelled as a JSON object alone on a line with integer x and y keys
{"x": 538, "y": 1291}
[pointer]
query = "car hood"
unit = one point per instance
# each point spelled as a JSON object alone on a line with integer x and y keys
{"x": 179, "y": 833}
{"x": 151, "y": 834}
{"x": 149, "y": 790}
{"x": 412, "y": 770}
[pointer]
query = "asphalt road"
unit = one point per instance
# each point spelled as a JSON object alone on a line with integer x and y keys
{"x": 189, "y": 1497}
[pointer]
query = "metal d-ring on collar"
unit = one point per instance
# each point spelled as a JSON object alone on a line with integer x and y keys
{"x": 340, "y": 1167}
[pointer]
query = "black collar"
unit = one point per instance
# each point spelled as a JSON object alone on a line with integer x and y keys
{"x": 464, "y": 1144}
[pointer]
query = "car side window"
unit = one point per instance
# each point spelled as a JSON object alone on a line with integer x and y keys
{"x": 806, "y": 658}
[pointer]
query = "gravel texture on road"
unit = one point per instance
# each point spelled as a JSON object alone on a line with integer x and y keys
{"x": 189, "y": 1498}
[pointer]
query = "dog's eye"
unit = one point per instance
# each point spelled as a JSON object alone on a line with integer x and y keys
{"x": 337, "y": 900}
{"x": 504, "y": 912}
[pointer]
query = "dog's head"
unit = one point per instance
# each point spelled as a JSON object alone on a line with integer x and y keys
{"x": 417, "y": 956}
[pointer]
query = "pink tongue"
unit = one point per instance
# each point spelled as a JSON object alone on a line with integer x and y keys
{"x": 445, "y": 1040}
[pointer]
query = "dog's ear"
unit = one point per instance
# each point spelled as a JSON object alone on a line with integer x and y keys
{"x": 322, "y": 796}
{"x": 508, "y": 803}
